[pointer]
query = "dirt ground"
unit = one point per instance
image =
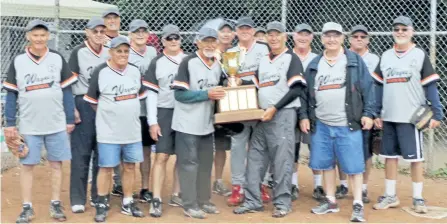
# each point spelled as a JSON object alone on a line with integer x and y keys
{"x": 435, "y": 192}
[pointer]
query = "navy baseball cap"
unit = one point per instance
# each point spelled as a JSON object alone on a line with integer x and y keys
{"x": 245, "y": 21}
{"x": 402, "y": 20}
{"x": 94, "y": 22}
{"x": 225, "y": 24}
{"x": 169, "y": 30}
{"x": 206, "y": 32}
{"x": 303, "y": 27}
{"x": 119, "y": 40}
{"x": 36, "y": 23}
{"x": 137, "y": 24}
{"x": 359, "y": 28}
{"x": 275, "y": 25}
{"x": 111, "y": 11}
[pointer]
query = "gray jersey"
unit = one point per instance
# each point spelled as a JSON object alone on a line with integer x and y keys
{"x": 276, "y": 75}
{"x": 117, "y": 95}
{"x": 142, "y": 61}
{"x": 251, "y": 59}
{"x": 371, "y": 60}
{"x": 39, "y": 82}
{"x": 83, "y": 60}
{"x": 306, "y": 60}
{"x": 194, "y": 74}
{"x": 330, "y": 92}
{"x": 403, "y": 77}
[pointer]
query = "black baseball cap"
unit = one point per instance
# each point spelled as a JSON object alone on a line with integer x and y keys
{"x": 359, "y": 28}
{"x": 303, "y": 27}
{"x": 245, "y": 21}
{"x": 225, "y": 24}
{"x": 275, "y": 25}
{"x": 403, "y": 20}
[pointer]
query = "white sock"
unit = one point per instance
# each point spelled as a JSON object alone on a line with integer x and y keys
{"x": 28, "y": 203}
{"x": 331, "y": 199}
{"x": 54, "y": 201}
{"x": 241, "y": 191}
{"x": 295, "y": 179}
{"x": 417, "y": 190}
{"x": 126, "y": 201}
{"x": 390, "y": 187}
{"x": 360, "y": 202}
{"x": 364, "y": 187}
{"x": 317, "y": 180}
{"x": 344, "y": 183}
{"x": 220, "y": 181}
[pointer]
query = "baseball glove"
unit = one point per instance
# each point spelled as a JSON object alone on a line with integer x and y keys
{"x": 17, "y": 146}
{"x": 421, "y": 118}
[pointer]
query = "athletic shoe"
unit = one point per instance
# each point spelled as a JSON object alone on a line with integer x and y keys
{"x": 57, "y": 211}
{"x": 265, "y": 194}
{"x": 385, "y": 202}
{"x": 357, "y": 213}
{"x": 325, "y": 206}
{"x": 365, "y": 198}
{"x": 156, "y": 208}
{"x": 131, "y": 209}
{"x": 319, "y": 193}
{"x": 117, "y": 190}
{"x": 295, "y": 192}
{"x": 220, "y": 189}
{"x": 236, "y": 197}
{"x": 78, "y": 208}
{"x": 419, "y": 206}
{"x": 176, "y": 201}
{"x": 92, "y": 202}
{"x": 341, "y": 192}
{"x": 145, "y": 196}
{"x": 194, "y": 213}
{"x": 101, "y": 212}
{"x": 26, "y": 215}
{"x": 209, "y": 208}
{"x": 279, "y": 213}
{"x": 245, "y": 209}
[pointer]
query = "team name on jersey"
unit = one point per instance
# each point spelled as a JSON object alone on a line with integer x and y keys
{"x": 327, "y": 82}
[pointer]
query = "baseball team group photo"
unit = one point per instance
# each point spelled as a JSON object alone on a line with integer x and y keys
{"x": 252, "y": 125}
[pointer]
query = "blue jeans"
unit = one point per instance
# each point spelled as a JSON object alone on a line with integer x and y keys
{"x": 332, "y": 143}
{"x": 57, "y": 146}
{"x": 110, "y": 154}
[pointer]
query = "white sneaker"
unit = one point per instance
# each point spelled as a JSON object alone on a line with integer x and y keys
{"x": 78, "y": 208}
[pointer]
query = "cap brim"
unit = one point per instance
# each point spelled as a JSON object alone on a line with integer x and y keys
{"x": 133, "y": 30}
{"x": 303, "y": 29}
{"x": 359, "y": 30}
{"x": 204, "y": 37}
{"x": 399, "y": 23}
{"x": 117, "y": 14}
{"x": 225, "y": 25}
{"x": 39, "y": 25}
{"x": 274, "y": 29}
{"x": 128, "y": 44}
{"x": 331, "y": 30}
{"x": 245, "y": 24}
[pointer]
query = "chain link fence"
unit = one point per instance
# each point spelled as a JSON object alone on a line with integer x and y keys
{"x": 429, "y": 18}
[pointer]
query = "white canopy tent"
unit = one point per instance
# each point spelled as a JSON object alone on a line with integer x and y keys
{"x": 69, "y": 9}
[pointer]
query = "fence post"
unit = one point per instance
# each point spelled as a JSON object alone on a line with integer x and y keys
{"x": 284, "y": 12}
{"x": 56, "y": 24}
{"x": 431, "y": 138}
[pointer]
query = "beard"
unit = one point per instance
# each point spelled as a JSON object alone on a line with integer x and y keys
{"x": 208, "y": 54}
{"x": 401, "y": 41}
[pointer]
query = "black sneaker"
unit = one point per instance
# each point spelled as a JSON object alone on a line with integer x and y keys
{"x": 26, "y": 215}
{"x": 156, "y": 208}
{"x": 132, "y": 209}
{"x": 57, "y": 211}
{"x": 319, "y": 193}
{"x": 145, "y": 196}
{"x": 295, "y": 193}
{"x": 101, "y": 212}
{"x": 117, "y": 190}
{"x": 341, "y": 192}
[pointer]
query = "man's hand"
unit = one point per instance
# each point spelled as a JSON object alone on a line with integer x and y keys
{"x": 11, "y": 132}
{"x": 268, "y": 114}
{"x": 305, "y": 126}
{"x": 367, "y": 123}
{"x": 378, "y": 122}
{"x": 155, "y": 131}
{"x": 237, "y": 80}
{"x": 216, "y": 93}
{"x": 77, "y": 117}
{"x": 70, "y": 128}
{"x": 434, "y": 124}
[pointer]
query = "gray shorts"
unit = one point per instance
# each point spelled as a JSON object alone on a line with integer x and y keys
{"x": 166, "y": 142}
{"x": 57, "y": 146}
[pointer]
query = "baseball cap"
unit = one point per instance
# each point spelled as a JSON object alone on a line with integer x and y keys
{"x": 36, "y": 23}
{"x": 111, "y": 11}
{"x": 94, "y": 22}
{"x": 403, "y": 20}
{"x": 117, "y": 41}
{"x": 331, "y": 26}
{"x": 359, "y": 28}
{"x": 275, "y": 25}
{"x": 225, "y": 24}
{"x": 137, "y": 24}
{"x": 206, "y": 32}
{"x": 260, "y": 29}
{"x": 245, "y": 21}
{"x": 169, "y": 30}
{"x": 303, "y": 27}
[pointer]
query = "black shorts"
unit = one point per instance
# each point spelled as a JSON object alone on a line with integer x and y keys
{"x": 222, "y": 139}
{"x": 367, "y": 144}
{"x": 145, "y": 136}
{"x": 402, "y": 139}
{"x": 165, "y": 143}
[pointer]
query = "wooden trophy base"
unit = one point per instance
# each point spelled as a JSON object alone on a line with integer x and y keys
{"x": 238, "y": 116}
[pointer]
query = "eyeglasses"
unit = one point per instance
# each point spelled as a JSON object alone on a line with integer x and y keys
{"x": 334, "y": 35}
{"x": 400, "y": 29}
{"x": 359, "y": 36}
{"x": 98, "y": 31}
{"x": 173, "y": 37}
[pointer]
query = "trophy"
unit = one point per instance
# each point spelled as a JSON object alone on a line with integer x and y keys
{"x": 240, "y": 102}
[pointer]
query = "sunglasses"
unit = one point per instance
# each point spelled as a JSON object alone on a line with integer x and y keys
{"x": 173, "y": 37}
{"x": 359, "y": 36}
{"x": 400, "y": 29}
{"x": 98, "y": 31}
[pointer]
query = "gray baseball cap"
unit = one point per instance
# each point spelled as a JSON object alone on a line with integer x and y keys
{"x": 260, "y": 29}
{"x": 303, "y": 27}
{"x": 94, "y": 22}
{"x": 359, "y": 28}
{"x": 111, "y": 11}
{"x": 403, "y": 20}
{"x": 117, "y": 41}
{"x": 225, "y": 24}
{"x": 36, "y": 23}
{"x": 245, "y": 21}
{"x": 169, "y": 30}
{"x": 206, "y": 32}
{"x": 137, "y": 24}
{"x": 331, "y": 26}
{"x": 275, "y": 25}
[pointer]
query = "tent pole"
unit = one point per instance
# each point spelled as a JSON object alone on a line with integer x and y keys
{"x": 56, "y": 23}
